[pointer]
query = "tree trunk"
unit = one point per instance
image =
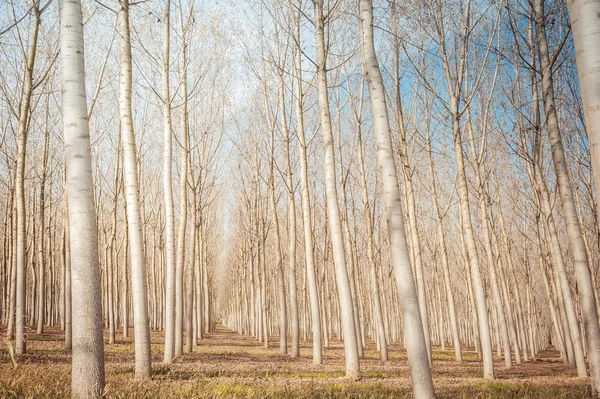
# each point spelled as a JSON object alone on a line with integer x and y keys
{"x": 183, "y": 196}
{"x": 413, "y": 327}
{"x": 168, "y": 192}
{"x": 411, "y": 206}
{"x": 478, "y": 159}
{"x": 143, "y": 355}
{"x": 582, "y": 271}
{"x": 333, "y": 212}
{"x": 68, "y": 286}
{"x": 41, "y": 309}
{"x": 21, "y": 310}
{"x": 311, "y": 279}
{"x": 585, "y": 22}
{"x": 442, "y": 242}
{"x": 10, "y": 325}
{"x": 295, "y": 331}
{"x": 278, "y": 255}
{"x": 378, "y": 314}
{"x": 190, "y": 337}
{"x": 454, "y": 85}
{"x": 87, "y": 376}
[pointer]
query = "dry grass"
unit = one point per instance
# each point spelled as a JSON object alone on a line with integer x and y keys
{"x": 226, "y": 365}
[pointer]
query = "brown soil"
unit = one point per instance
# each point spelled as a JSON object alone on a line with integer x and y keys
{"x": 226, "y": 364}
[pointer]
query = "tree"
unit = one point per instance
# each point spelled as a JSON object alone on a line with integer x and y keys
{"x": 41, "y": 310}
{"x": 168, "y": 192}
{"x": 455, "y": 90}
{"x": 143, "y": 354}
{"x": 183, "y": 195}
{"x": 413, "y": 326}
{"x": 382, "y": 340}
{"x": 295, "y": 328}
{"x": 87, "y": 376}
{"x": 589, "y": 311}
{"x": 21, "y": 283}
{"x": 313, "y": 293}
{"x": 333, "y": 212}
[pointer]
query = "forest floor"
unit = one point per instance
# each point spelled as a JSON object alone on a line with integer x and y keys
{"x": 228, "y": 365}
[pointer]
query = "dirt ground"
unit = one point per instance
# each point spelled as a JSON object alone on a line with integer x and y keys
{"x": 228, "y": 365}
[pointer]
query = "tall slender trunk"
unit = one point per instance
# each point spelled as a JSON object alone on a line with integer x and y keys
{"x": 333, "y": 211}
{"x": 168, "y": 192}
{"x": 112, "y": 267}
{"x": 21, "y": 310}
{"x": 505, "y": 294}
{"x": 478, "y": 159}
{"x": 455, "y": 86}
{"x": 585, "y": 22}
{"x": 378, "y": 314}
{"x": 198, "y": 272}
{"x": 411, "y": 206}
{"x": 124, "y": 271}
{"x": 295, "y": 331}
{"x": 442, "y": 242}
{"x": 41, "y": 309}
{"x": 183, "y": 196}
{"x": 311, "y": 279}
{"x": 586, "y": 28}
{"x": 206, "y": 294}
{"x": 10, "y": 325}
{"x": 143, "y": 355}
{"x": 190, "y": 337}
{"x": 582, "y": 271}
{"x": 516, "y": 289}
{"x": 278, "y": 255}
{"x": 416, "y": 345}
{"x": 87, "y": 376}
{"x": 555, "y": 318}
{"x": 68, "y": 286}
{"x": 348, "y": 239}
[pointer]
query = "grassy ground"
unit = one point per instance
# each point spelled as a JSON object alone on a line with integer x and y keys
{"x": 227, "y": 365}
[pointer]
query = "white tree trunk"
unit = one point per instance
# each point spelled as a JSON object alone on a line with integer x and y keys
{"x": 568, "y": 204}
{"x": 442, "y": 242}
{"x": 68, "y": 286}
{"x": 87, "y": 375}
{"x": 306, "y": 207}
{"x": 378, "y": 314}
{"x": 295, "y": 331}
{"x": 41, "y": 310}
{"x": 415, "y": 339}
{"x": 278, "y": 255}
{"x": 21, "y": 309}
{"x": 190, "y": 336}
{"x": 143, "y": 355}
{"x": 333, "y": 211}
{"x": 183, "y": 196}
{"x": 168, "y": 193}
{"x": 585, "y": 22}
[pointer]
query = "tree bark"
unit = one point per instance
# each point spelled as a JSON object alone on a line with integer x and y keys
{"x": 143, "y": 355}
{"x": 311, "y": 279}
{"x": 87, "y": 375}
{"x": 378, "y": 314}
{"x": 278, "y": 255}
{"x": 333, "y": 211}
{"x": 41, "y": 309}
{"x": 442, "y": 242}
{"x": 415, "y": 339}
{"x": 295, "y": 331}
{"x": 168, "y": 192}
{"x": 21, "y": 250}
{"x": 183, "y": 196}
{"x": 582, "y": 271}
